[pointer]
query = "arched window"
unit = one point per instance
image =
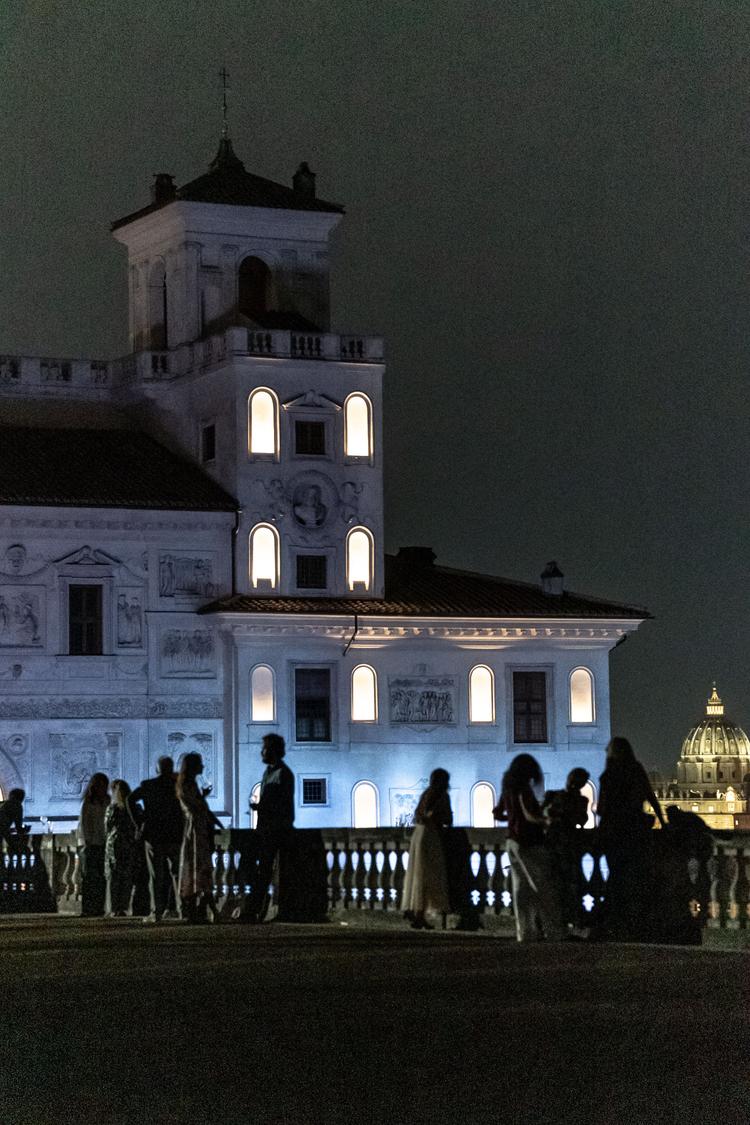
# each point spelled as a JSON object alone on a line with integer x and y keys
{"x": 254, "y": 798}
{"x": 581, "y": 696}
{"x": 364, "y": 695}
{"x": 589, "y": 792}
{"x": 359, "y": 557}
{"x": 481, "y": 695}
{"x": 263, "y": 422}
{"x": 157, "y": 305}
{"x": 364, "y": 805}
{"x": 264, "y": 557}
{"x": 357, "y": 426}
{"x": 482, "y": 804}
{"x": 255, "y": 283}
{"x": 262, "y": 695}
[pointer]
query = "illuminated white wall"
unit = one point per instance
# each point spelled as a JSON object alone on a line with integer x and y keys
{"x": 589, "y": 792}
{"x": 364, "y": 695}
{"x": 581, "y": 696}
{"x": 264, "y": 557}
{"x": 263, "y": 422}
{"x": 262, "y": 701}
{"x": 357, "y": 426}
{"x": 481, "y": 695}
{"x": 364, "y": 805}
{"x": 359, "y": 559}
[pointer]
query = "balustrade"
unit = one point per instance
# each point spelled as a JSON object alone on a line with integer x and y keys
{"x": 364, "y": 870}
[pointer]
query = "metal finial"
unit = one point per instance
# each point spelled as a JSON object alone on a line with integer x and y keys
{"x": 224, "y": 76}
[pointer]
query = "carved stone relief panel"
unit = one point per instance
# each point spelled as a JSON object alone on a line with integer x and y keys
{"x": 16, "y": 748}
{"x": 188, "y": 653}
{"x": 186, "y": 577}
{"x": 422, "y": 699}
{"x": 313, "y": 500}
{"x": 129, "y": 630}
{"x": 22, "y": 616}
{"x": 75, "y": 756}
{"x": 179, "y": 743}
{"x": 403, "y": 803}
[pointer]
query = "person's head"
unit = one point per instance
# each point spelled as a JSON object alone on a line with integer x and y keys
{"x": 440, "y": 781}
{"x": 273, "y": 749}
{"x": 96, "y": 790}
{"x": 16, "y": 794}
{"x": 120, "y": 791}
{"x": 619, "y": 751}
{"x": 576, "y": 779}
{"x": 522, "y": 772}
{"x": 190, "y": 766}
{"x": 165, "y": 766}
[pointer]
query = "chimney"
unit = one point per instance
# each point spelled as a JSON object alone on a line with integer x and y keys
{"x": 163, "y": 189}
{"x": 303, "y": 181}
{"x": 412, "y": 560}
{"x": 552, "y": 580}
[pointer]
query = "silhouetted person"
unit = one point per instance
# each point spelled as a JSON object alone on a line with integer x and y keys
{"x": 275, "y": 809}
{"x": 162, "y": 833}
{"x": 12, "y": 828}
{"x": 119, "y": 850}
{"x": 625, "y": 836}
{"x": 196, "y": 856}
{"x": 567, "y": 811}
{"x": 536, "y": 899}
{"x": 92, "y": 835}
{"x": 426, "y": 883}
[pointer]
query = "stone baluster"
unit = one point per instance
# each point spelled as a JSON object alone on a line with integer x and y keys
{"x": 382, "y": 873}
{"x": 398, "y": 850}
{"x": 371, "y": 882}
{"x": 334, "y": 874}
{"x": 346, "y": 872}
{"x": 717, "y": 900}
{"x": 734, "y": 877}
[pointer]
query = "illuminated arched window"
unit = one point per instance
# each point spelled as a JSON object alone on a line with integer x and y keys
{"x": 264, "y": 557}
{"x": 581, "y": 696}
{"x": 262, "y": 701}
{"x": 359, "y": 557}
{"x": 589, "y": 792}
{"x": 263, "y": 422}
{"x": 364, "y": 695}
{"x": 357, "y": 426}
{"x": 254, "y": 797}
{"x": 481, "y": 695}
{"x": 364, "y": 805}
{"x": 482, "y": 804}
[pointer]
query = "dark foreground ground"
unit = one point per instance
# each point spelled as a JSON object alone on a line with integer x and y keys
{"x": 115, "y": 1022}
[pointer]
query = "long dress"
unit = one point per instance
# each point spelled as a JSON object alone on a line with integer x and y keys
{"x": 119, "y": 857}
{"x": 196, "y": 857}
{"x": 426, "y": 882}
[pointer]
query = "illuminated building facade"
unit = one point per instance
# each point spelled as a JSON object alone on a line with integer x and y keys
{"x": 713, "y": 772}
{"x": 192, "y": 550}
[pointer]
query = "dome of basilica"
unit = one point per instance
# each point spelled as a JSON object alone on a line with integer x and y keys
{"x": 715, "y": 736}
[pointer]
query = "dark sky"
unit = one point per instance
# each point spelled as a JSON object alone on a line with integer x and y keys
{"x": 547, "y": 217}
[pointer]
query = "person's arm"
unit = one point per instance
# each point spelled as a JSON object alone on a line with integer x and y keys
{"x": 528, "y": 811}
{"x": 652, "y": 799}
{"x": 131, "y": 806}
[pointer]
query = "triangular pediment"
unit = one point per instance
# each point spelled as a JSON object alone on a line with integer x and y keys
{"x": 89, "y": 556}
{"x": 314, "y": 400}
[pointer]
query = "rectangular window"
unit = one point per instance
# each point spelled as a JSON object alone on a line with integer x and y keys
{"x": 312, "y": 704}
{"x": 312, "y": 572}
{"x": 314, "y": 791}
{"x": 208, "y": 443}
{"x": 85, "y": 620}
{"x": 529, "y": 707}
{"x": 310, "y": 438}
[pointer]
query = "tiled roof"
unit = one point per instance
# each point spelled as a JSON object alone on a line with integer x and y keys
{"x": 438, "y": 591}
{"x": 101, "y": 468}
{"x": 228, "y": 182}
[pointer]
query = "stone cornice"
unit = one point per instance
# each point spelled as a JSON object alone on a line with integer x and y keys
{"x": 112, "y": 707}
{"x": 109, "y": 519}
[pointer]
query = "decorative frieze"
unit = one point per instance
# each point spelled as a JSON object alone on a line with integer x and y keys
{"x": 112, "y": 707}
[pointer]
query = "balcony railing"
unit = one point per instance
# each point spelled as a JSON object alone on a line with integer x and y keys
{"x": 20, "y": 372}
{"x": 704, "y": 883}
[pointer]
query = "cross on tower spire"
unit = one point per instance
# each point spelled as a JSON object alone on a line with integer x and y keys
{"x": 224, "y": 76}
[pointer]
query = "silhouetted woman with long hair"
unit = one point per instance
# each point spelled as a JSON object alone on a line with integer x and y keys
{"x": 119, "y": 850}
{"x": 426, "y": 883}
{"x": 196, "y": 857}
{"x": 92, "y": 834}
{"x": 625, "y": 835}
{"x": 536, "y": 896}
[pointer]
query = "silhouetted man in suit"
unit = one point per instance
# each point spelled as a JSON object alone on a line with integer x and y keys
{"x": 275, "y": 809}
{"x": 162, "y": 832}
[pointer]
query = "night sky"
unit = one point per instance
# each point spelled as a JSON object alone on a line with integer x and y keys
{"x": 546, "y": 217}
